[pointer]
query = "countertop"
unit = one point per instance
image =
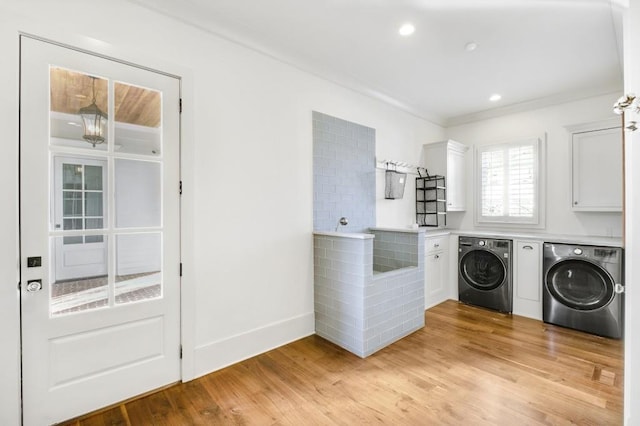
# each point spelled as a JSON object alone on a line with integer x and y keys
{"x": 516, "y": 234}
{"x": 538, "y": 236}
{"x": 354, "y": 235}
{"x": 365, "y": 236}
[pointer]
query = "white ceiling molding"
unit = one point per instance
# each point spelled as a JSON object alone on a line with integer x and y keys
{"x": 531, "y": 105}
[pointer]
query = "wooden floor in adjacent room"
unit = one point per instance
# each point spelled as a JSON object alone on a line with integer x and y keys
{"x": 467, "y": 366}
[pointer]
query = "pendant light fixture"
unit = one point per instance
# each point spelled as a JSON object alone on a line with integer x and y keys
{"x": 94, "y": 121}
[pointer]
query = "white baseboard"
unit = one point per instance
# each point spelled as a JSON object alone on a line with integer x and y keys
{"x": 222, "y": 353}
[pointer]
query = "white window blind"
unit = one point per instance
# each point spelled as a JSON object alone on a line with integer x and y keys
{"x": 508, "y": 182}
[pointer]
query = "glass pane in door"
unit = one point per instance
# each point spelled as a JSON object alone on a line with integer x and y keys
{"x": 138, "y": 127}
{"x": 71, "y": 176}
{"x": 93, "y": 177}
{"x": 93, "y": 204}
{"x": 72, "y": 203}
{"x": 138, "y": 267}
{"x": 79, "y": 255}
{"x": 138, "y": 193}
{"x": 81, "y": 281}
{"x": 73, "y": 93}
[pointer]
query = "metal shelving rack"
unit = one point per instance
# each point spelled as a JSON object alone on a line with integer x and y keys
{"x": 431, "y": 201}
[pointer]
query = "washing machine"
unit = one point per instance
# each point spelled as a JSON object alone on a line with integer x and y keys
{"x": 583, "y": 288}
{"x": 484, "y": 273}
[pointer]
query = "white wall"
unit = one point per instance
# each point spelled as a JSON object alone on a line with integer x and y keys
{"x": 632, "y": 229}
{"x": 254, "y": 198}
{"x": 9, "y": 296}
{"x": 247, "y": 168}
{"x": 560, "y": 219}
{"x": 402, "y": 143}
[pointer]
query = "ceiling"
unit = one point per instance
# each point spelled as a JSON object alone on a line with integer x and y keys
{"x": 532, "y": 52}
{"x": 72, "y": 90}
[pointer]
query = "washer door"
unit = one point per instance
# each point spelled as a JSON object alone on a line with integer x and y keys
{"x": 580, "y": 284}
{"x": 482, "y": 270}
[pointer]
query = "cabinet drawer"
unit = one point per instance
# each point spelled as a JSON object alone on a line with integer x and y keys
{"x": 436, "y": 244}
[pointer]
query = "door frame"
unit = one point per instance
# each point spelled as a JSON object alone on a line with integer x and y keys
{"x": 133, "y": 58}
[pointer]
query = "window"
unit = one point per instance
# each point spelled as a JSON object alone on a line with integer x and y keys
{"x": 82, "y": 207}
{"x": 508, "y": 184}
{"x": 80, "y": 197}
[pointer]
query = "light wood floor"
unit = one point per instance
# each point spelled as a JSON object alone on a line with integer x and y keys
{"x": 468, "y": 366}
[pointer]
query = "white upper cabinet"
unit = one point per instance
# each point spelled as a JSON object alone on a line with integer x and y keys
{"x": 447, "y": 158}
{"x": 596, "y": 165}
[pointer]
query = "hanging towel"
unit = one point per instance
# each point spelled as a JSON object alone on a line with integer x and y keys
{"x": 394, "y": 184}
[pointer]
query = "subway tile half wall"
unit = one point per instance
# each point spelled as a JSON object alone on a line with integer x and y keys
{"x": 344, "y": 181}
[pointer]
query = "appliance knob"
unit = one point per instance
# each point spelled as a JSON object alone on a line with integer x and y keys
{"x": 577, "y": 251}
{"x": 481, "y": 243}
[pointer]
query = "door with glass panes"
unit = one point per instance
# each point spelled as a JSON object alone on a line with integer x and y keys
{"x": 99, "y": 211}
{"x": 79, "y": 202}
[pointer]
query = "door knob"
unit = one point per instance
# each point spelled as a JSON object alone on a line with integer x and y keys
{"x": 34, "y": 285}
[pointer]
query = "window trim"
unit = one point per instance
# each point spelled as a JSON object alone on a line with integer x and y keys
{"x": 538, "y": 221}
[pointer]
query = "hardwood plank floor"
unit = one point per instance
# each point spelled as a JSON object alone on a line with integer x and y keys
{"x": 468, "y": 366}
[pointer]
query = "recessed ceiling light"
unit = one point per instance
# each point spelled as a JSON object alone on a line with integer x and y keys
{"x": 495, "y": 98}
{"x": 406, "y": 30}
{"x": 471, "y": 46}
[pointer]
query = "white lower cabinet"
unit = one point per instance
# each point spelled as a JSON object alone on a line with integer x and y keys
{"x": 527, "y": 278}
{"x": 436, "y": 271}
{"x": 441, "y": 274}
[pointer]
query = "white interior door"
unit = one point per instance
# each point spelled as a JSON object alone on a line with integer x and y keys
{"x": 99, "y": 232}
{"x": 79, "y": 201}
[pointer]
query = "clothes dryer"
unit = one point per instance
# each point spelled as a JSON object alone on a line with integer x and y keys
{"x": 583, "y": 288}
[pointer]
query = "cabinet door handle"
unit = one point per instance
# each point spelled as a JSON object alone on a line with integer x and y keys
{"x": 436, "y": 245}
{"x": 437, "y": 256}
{"x": 575, "y": 203}
{"x": 527, "y": 247}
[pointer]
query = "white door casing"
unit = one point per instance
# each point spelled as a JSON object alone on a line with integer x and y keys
{"x": 79, "y": 360}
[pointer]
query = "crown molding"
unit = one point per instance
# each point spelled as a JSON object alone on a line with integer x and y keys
{"x": 533, "y": 104}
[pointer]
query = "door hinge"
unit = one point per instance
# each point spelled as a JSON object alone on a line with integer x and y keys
{"x": 180, "y": 187}
{"x": 180, "y": 268}
{"x": 180, "y": 351}
{"x": 180, "y": 105}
